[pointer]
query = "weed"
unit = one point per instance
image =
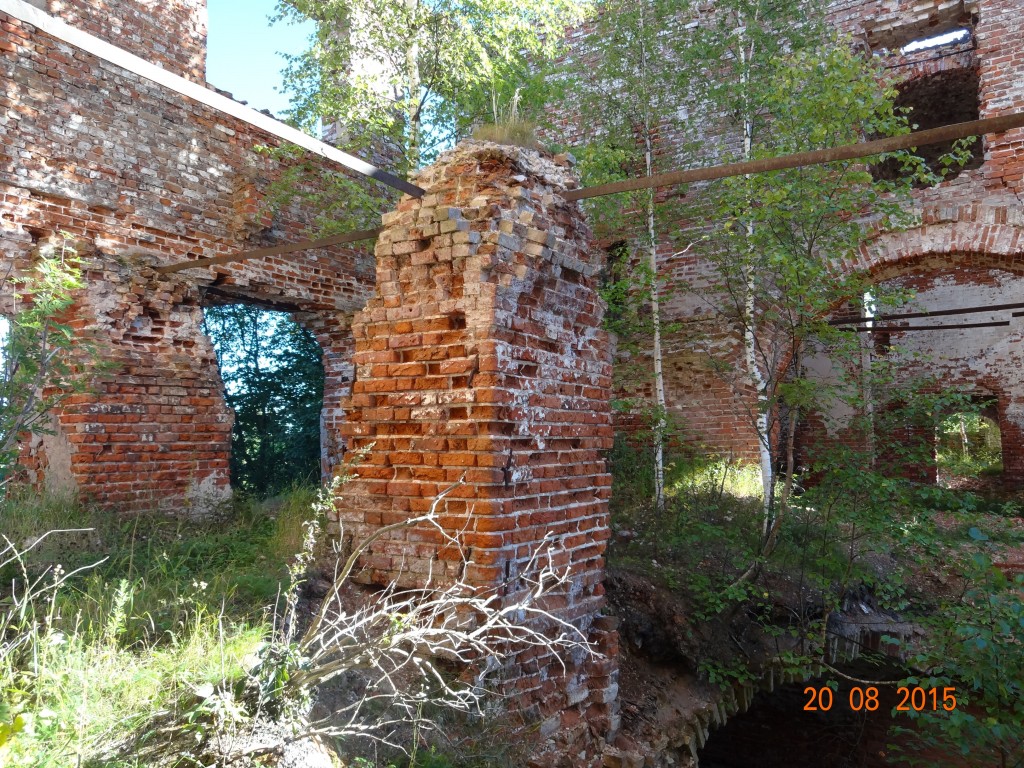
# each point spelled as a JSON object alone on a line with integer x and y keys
{"x": 518, "y": 133}
{"x": 174, "y": 608}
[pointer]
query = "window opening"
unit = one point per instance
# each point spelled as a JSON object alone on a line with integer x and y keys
{"x": 954, "y": 36}
{"x": 880, "y": 340}
{"x": 932, "y": 101}
{"x": 274, "y": 381}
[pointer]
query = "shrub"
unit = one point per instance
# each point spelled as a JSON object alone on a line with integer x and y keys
{"x": 37, "y": 362}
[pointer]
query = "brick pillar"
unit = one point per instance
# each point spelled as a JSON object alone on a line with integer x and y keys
{"x": 481, "y": 357}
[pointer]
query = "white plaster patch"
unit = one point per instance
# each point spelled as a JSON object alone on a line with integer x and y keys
{"x": 208, "y": 497}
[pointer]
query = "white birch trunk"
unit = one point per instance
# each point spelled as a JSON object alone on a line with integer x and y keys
{"x": 652, "y": 252}
{"x": 754, "y": 371}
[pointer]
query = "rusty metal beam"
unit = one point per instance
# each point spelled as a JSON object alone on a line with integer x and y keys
{"x": 848, "y": 152}
{"x": 936, "y": 313}
{"x": 817, "y": 157}
{"x": 277, "y": 250}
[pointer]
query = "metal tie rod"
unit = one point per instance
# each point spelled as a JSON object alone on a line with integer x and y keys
{"x": 817, "y": 157}
{"x": 277, "y": 250}
{"x": 935, "y": 313}
{"x": 956, "y": 327}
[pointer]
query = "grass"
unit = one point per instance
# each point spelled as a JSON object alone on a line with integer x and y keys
{"x": 518, "y": 133}
{"x": 158, "y": 652}
{"x": 163, "y": 607}
{"x": 707, "y": 532}
{"x": 979, "y": 464}
{"x": 83, "y": 689}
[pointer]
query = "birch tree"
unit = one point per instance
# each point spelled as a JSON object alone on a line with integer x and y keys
{"x": 777, "y": 250}
{"x": 629, "y": 88}
{"x": 750, "y": 79}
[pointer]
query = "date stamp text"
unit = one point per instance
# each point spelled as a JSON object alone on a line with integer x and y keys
{"x": 916, "y": 698}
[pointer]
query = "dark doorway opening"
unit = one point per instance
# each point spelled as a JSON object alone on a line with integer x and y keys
{"x": 968, "y": 448}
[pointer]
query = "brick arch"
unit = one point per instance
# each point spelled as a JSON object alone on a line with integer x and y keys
{"x": 966, "y": 250}
{"x": 942, "y": 246}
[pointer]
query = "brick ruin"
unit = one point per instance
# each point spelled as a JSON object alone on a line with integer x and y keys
{"x": 967, "y": 251}
{"x": 479, "y": 359}
{"x": 969, "y": 248}
{"x": 482, "y": 368}
{"x": 140, "y": 176}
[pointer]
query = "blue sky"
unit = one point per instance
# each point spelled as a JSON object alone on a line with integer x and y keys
{"x": 243, "y": 51}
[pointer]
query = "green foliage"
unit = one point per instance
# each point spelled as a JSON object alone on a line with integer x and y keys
{"x": 781, "y": 237}
{"x": 160, "y": 655}
{"x": 703, "y": 530}
{"x": 784, "y": 85}
{"x": 336, "y": 202}
{"x": 509, "y": 126}
{"x": 38, "y": 350}
{"x": 968, "y": 445}
{"x": 974, "y": 642}
{"x": 627, "y": 286}
{"x": 924, "y": 552}
{"x": 274, "y": 379}
{"x": 168, "y": 611}
{"x": 412, "y": 76}
{"x": 782, "y": 233}
{"x": 517, "y": 133}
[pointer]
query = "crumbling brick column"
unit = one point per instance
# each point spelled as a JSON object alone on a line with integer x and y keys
{"x": 480, "y": 360}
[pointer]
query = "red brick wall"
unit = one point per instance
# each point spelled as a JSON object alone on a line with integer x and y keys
{"x": 983, "y": 361}
{"x": 140, "y": 176}
{"x": 152, "y": 435}
{"x": 480, "y": 364}
{"x": 168, "y": 33}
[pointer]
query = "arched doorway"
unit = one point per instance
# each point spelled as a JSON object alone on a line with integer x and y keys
{"x": 968, "y": 446}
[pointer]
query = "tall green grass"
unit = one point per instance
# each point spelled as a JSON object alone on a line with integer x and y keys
{"x": 160, "y": 608}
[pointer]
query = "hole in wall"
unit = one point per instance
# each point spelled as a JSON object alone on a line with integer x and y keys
{"x": 952, "y": 37}
{"x": 968, "y": 448}
{"x": 951, "y": 26}
{"x": 37, "y": 233}
{"x": 789, "y": 728}
{"x": 457, "y": 320}
{"x": 273, "y": 376}
{"x": 935, "y": 100}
